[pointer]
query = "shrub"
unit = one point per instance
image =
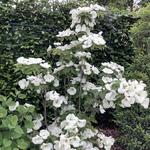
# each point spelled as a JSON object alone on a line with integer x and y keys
{"x": 66, "y": 87}
{"x": 140, "y": 30}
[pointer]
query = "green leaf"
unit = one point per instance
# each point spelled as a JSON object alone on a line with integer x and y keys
{"x": 22, "y": 109}
{"x": 19, "y": 130}
{"x": 22, "y": 144}
{"x": 7, "y": 142}
{"x": 10, "y": 122}
{"x": 22, "y": 96}
{"x": 3, "y": 112}
{"x": 3, "y": 98}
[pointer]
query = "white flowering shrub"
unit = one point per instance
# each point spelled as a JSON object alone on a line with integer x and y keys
{"x": 67, "y": 88}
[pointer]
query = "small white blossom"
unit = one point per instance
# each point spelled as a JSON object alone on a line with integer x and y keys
{"x": 44, "y": 134}
{"x": 37, "y": 124}
{"x": 47, "y": 146}
{"x": 107, "y": 71}
{"x": 37, "y": 140}
{"x": 45, "y": 65}
{"x": 71, "y": 91}
{"x": 49, "y": 78}
{"x": 23, "y": 83}
{"x": 14, "y": 107}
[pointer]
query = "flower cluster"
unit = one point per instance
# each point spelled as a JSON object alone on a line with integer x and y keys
{"x": 38, "y": 80}
{"x": 91, "y": 11}
{"x": 66, "y": 138}
{"x": 90, "y": 39}
{"x": 117, "y": 87}
{"x": 56, "y": 98}
{"x": 32, "y": 61}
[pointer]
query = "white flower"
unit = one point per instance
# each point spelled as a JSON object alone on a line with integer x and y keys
{"x": 63, "y": 143}
{"x": 49, "y": 48}
{"x": 57, "y": 44}
{"x": 111, "y": 96}
{"x": 88, "y": 133}
{"x": 107, "y": 71}
{"x": 47, "y": 146}
{"x": 75, "y": 141}
{"x": 49, "y": 78}
{"x": 57, "y": 102}
{"x": 23, "y": 83}
{"x": 95, "y": 70}
{"x": 54, "y": 129}
{"x": 28, "y": 105}
{"x": 45, "y": 65}
{"x": 37, "y": 124}
{"x": 13, "y": 107}
{"x": 106, "y": 141}
{"x": 71, "y": 91}
{"x": 36, "y": 80}
{"x": 29, "y": 61}
{"x": 56, "y": 83}
{"x": 106, "y": 79}
{"x": 52, "y": 95}
{"x": 37, "y": 140}
{"x": 29, "y": 130}
{"x": 44, "y": 134}
{"x": 70, "y": 122}
{"x": 66, "y": 33}
{"x": 102, "y": 110}
{"x": 83, "y": 54}
{"x": 145, "y": 103}
{"x": 81, "y": 123}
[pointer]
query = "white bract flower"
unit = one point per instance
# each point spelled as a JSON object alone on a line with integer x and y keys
{"x": 66, "y": 33}
{"x": 56, "y": 98}
{"x": 71, "y": 91}
{"x": 107, "y": 71}
{"x": 49, "y": 48}
{"x": 37, "y": 139}
{"x": 56, "y": 82}
{"x": 54, "y": 129}
{"x": 47, "y": 146}
{"x": 45, "y": 65}
{"x": 57, "y": 43}
{"x": 105, "y": 141}
{"x": 36, "y": 80}
{"x": 95, "y": 70}
{"x": 83, "y": 54}
{"x": 29, "y": 61}
{"x": 102, "y": 110}
{"x": 49, "y": 78}
{"x": 75, "y": 141}
{"x": 44, "y": 134}
{"x": 37, "y": 124}
{"x": 88, "y": 133}
{"x": 23, "y": 83}
{"x": 91, "y": 38}
{"x": 14, "y": 107}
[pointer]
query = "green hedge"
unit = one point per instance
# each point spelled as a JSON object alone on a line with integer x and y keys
{"x": 134, "y": 123}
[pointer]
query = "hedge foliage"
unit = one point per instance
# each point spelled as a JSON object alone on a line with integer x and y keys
{"x": 30, "y": 28}
{"x": 134, "y": 124}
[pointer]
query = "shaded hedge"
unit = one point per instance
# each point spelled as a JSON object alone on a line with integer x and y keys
{"x": 30, "y": 28}
{"x": 134, "y": 123}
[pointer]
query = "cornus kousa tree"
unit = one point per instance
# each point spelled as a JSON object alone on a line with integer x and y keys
{"x": 68, "y": 88}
